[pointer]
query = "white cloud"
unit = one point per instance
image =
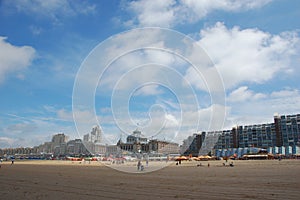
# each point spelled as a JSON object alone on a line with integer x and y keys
{"x": 53, "y": 9}
{"x": 36, "y": 30}
{"x": 148, "y": 90}
{"x": 168, "y": 13}
{"x": 248, "y": 55}
{"x": 6, "y": 142}
{"x": 244, "y": 94}
{"x": 153, "y": 13}
{"x": 13, "y": 58}
{"x": 82, "y": 116}
{"x": 63, "y": 114}
{"x": 171, "y": 120}
{"x": 213, "y": 117}
{"x": 36, "y": 127}
{"x": 135, "y": 68}
{"x": 285, "y": 93}
{"x": 261, "y": 110}
{"x": 21, "y": 128}
{"x": 194, "y": 10}
{"x": 138, "y": 71}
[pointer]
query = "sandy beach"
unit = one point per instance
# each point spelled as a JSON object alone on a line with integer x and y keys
{"x": 268, "y": 179}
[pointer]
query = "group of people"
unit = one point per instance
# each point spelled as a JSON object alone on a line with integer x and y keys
{"x": 230, "y": 164}
{"x": 1, "y": 160}
{"x": 224, "y": 164}
{"x": 200, "y": 165}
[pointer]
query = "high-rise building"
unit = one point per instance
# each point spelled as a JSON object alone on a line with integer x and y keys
{"x": 59, "y": 146}
{"x": 76, "y": 147}
{"x": 193, "y": 144}
{"x": 287, "y": 130}
{"x": 92, "y": 141}
{"x": 283, "y": 133}
{"x": 258, "y": 135}
{"x": 95, "y": 136}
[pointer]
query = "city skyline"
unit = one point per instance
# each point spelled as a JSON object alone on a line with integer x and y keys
{"x": 254, "y": 46}
{"x": 283, "y": 132}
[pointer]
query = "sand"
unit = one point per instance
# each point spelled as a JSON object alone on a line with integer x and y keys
{"x": 70, "y": 180}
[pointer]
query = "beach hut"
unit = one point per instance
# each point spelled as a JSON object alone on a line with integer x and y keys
{"x": 218, "y": 152}
{"x": 288, "y": 151}
{"x": 240, "y": 152}
{"x": 245, "y": 151}
{"x": 275, "y": 150}
{"x": 223, "y": 152}
{"x": 295, "y": 150}
{"x": 281, "y": 150}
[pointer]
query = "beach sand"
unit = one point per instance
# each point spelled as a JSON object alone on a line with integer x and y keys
{"x": 268, "y": 179}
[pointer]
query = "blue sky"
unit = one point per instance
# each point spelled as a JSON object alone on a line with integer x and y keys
{"x": 254, "y": 46}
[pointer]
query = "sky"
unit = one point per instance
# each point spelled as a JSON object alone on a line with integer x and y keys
{"x": 169, "y": 68}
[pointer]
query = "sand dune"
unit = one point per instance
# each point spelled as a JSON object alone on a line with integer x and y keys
{"x": 73, "y": 180}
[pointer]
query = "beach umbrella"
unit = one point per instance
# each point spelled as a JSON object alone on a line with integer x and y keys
{"x": 195, "y": 158}
{"x": 206, "y": 157}
{"x": 181, "y": 158}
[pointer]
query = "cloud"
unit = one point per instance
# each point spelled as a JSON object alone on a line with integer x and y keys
{"x": 261, "y": 110}
{"x": 169, "y": 13}
{"x": 13, "y": 58}
{"x": 20, "y": 128}
{"x": 151, "y": 13}
{"x": 248, "y": 55}
{"x": 36, "y": 127}
{"x": 35, "y": 30}
{"x": 244, "y": 94}
{"x": 6, "y": 142}
{"x": 82, "y": 116}
{"x": 285, "y": 93}
{"x": 141, "y": 62}
{"x": 53, "y": 9}
{"x": 194, "y": 10}
{"x": 148, "y": 90}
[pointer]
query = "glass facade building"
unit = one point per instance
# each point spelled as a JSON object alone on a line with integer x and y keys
{"x": 280, "y": 137}
{"x": 288, "y": 130}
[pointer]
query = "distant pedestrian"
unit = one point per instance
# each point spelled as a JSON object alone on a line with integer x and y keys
{"x": 208, "y": 165}
{"x": 139, "y": 165}
{"x": 1, "y": 162}
{"x": 12, "y": 161}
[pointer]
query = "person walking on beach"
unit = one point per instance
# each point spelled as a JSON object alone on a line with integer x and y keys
{"x": 139, "y": 165}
